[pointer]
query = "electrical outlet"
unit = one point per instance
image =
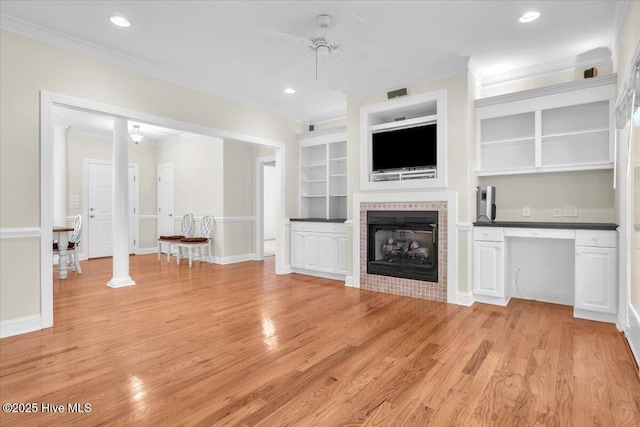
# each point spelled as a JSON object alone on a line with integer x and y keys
{"x": 571, "y": 211}
{"x": 526, "y": 211}
{"x": 557, "y": 212}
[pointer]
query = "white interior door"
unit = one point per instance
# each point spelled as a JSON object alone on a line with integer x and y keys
{"x": 165, "y": 200}
{"x": 100, "y": 209}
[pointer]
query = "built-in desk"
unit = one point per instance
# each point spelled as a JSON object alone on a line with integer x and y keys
{"x": 564, "y": 263}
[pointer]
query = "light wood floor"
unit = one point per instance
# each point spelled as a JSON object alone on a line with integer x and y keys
{"x": 238, "y": 345}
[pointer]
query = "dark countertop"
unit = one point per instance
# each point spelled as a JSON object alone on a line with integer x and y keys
{"x": 564, "y": 225}
{"x": 341, "y": 220}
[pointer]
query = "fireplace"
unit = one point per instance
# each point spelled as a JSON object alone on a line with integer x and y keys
{"x": 403, "y": 244}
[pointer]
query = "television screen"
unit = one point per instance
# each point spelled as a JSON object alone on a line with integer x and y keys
{"x": 414, "y": 147}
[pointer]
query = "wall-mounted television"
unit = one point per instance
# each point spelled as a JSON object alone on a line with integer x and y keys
{"x": 407, "y": 148}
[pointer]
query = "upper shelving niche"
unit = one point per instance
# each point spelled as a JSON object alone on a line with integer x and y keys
{"x": 403, "y": 112}
{"x": 560, "y": 128}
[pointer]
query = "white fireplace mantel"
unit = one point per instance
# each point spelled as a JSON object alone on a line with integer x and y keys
{"x": 451, "y": 197}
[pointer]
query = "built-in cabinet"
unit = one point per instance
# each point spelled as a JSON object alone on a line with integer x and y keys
{"x": 564, "y": 127}
{"x": 488, "y": 266}
{"x": 498, "y": 260}
{"x": 319, "y": 247}
{"x": 595, "y": 270}
{"x": 323, "y": 175}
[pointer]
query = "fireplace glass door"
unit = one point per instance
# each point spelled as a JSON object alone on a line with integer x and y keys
{"x": 403, "y": 244}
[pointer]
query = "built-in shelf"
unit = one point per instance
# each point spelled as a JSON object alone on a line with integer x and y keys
{"x": 323, "y": 175}
{"x": 565, "y": 127}
{"x": 399, "y": 113}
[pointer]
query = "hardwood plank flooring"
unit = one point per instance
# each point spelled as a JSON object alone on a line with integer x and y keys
{"x": 237, "y": 345}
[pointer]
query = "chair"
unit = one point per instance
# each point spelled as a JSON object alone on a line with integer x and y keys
{"x": 186, "y": 230}
{"x": 74, "y": 243}
{"x": 204, "y": 241}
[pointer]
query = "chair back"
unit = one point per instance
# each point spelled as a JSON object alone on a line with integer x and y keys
{"x": 206, "y": 226}
{"x": 187, "y": 226}
{"x": 77, "y": 229}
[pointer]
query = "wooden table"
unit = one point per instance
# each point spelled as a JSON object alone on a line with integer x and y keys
{"x": 61, "y": 234}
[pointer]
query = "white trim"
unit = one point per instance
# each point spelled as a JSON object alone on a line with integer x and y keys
{"x": 324, "y": 132}
{"x": 349, "y": 223}
{"x": 466, "y": 298}
{"x": 328, "y": 117}
{"x": 232, "y": 259}
{"x": 348, "y": 282}
{"x": 622, "y": 6}
{"x": 316, "y": 273}
{"x": 597, "y": 58}
{"x": 451, "y": 197}
{"x": 632, "y": 333}
{"x": 120, "y": 282}
{"x": 20, "y": 325}
{"x": 464, "y": 226}
{"x": 259, "y": 203}
{"x": 594, "y": 315}
{"x": 47, "y": 102}
{"x": 544, "y": 91}
{"x": 19, "y": 233}
{"x": 145, "y": 251}
{"x": 147, "y": 217}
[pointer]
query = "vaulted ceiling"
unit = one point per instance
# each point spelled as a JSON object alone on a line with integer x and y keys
{"x": 250, "y": 51}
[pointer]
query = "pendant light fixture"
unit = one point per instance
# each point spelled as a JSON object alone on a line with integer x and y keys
{"x": 136, "y": 136}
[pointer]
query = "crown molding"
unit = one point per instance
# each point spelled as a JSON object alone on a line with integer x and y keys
{"x": 23, "y": 28}
{"x": 588, "y": 59}
{"x": 622, "y": 7}
{"x": 547, "y": 90}
{"x": 412, "y": 78}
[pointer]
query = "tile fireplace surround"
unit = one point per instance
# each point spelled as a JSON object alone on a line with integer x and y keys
{"x": 440, "y": 291}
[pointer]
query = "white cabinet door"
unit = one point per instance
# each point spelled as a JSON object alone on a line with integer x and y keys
{"x": 596, "y": 279}
{"x": 327, "y": 252}
{"x": 488, "y": 277}
{"x": 310, "y": 242}
{"x": 341, "y": 253}
{"x": 297, "y": 249}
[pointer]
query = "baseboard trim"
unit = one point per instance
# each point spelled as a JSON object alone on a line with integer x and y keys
{"x": 633, "y": 333}
{"x": 322, "y": 274}
{"x": 121, "y": 282}
{"x": 348, "y": 282}
{"x": 233, "y": 259}
{"x": 543, "y": 296}
{"x": 146, "y": 251}
{"x": 20, "y": 325}
{"x": 465, "y": 298}
{"x": 594, "y": 315}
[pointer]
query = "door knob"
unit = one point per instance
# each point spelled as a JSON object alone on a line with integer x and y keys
{"x": 91, "y": 216}
{"x": 91, "y": 209}
{"x": 170, "y": 214}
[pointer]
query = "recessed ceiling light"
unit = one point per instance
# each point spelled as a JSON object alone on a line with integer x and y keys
{"x": 120, "y": 21}
{"x": 289, "y": 91}
{"x": 529, "y": 17}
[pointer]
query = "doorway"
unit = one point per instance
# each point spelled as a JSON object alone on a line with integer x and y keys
{"x": 165, "y": 199}
{"x": 267, "y": 203}
{"x": 98, "y": 188}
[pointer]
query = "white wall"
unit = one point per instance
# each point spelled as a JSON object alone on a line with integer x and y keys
{"x": 28, "y": 67}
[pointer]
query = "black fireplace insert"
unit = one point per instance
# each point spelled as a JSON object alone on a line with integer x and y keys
{"x": 403, "y": 244}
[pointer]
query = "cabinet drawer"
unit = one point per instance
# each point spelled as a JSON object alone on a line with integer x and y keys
{"x": 304, "y": 226}
{"x": 596, "y": 238}
{"x": 332, "y": 227}
{"x": 488, "y": 234}
{"x": 543, "y": 233}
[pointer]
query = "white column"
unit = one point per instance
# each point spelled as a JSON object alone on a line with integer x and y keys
{"x": 60, "y": 175}
{"x": 120, "y": 230}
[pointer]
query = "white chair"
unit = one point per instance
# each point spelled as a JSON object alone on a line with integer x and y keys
{"x": 186, "y": 230}
{"x": 204, "y": 241}
{"x": 72, "y": 248}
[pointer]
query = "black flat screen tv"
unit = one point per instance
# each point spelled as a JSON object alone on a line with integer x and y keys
{"x": 408, "y": 148}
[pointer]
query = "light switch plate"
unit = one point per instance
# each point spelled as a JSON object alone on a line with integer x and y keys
{"x": 557, "y": 212}
{"x": 571, "y": 211}
{"x": 526, "y": 211}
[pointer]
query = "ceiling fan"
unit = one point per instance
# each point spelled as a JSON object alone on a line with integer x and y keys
{"x": 321, "y": 44}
